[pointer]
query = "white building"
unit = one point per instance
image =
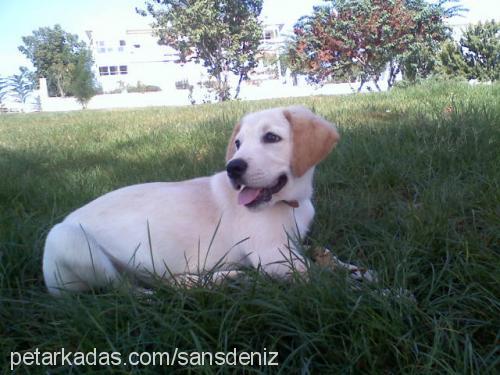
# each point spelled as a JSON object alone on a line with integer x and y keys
{"x": 124, "y": 59}
{"x": 134, "y": 56}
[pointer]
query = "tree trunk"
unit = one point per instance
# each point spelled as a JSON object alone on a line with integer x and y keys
{"x": 393, "y": 72}
{"x": 222, "y": 86}
{"x": 218, "y": 77}
{"x": 226, "y": 94}
{"x": 361, "y": 84}
{"x": 239, "y": 86}
{"x": 59, "y": 86}
{"x": 375, "y": 82}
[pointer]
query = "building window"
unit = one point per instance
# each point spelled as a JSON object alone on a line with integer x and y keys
{"x": 113, "y": 70}
{"x": 100, "y": 43}
{"x": 137, "y": 46}
{"x": 101, "y": 50}
{"x": 122, "y": 43}
{"x": 182, "y": 84}
{"x": 103, "y": 71}
{"x": 268, "y": 35}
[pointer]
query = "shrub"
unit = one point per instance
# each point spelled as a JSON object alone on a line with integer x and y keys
{"x": 83, "y": 85}
{"x": 142, "y": 88}
{"x": 476, "y": 56}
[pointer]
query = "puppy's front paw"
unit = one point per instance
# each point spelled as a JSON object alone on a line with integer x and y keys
{"x": 324, "y": 257}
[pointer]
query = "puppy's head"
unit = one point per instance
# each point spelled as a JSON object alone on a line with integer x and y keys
{"x": 271, "y": 154}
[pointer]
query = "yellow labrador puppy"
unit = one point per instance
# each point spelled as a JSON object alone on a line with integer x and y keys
{"x": 244, "y": 216}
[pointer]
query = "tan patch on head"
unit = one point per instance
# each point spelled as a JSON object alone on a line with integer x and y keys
{"x": 313, "y": 138}
{"x": 231, "y": 147}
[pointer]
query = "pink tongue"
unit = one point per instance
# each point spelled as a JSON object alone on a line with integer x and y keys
{"x": 248, "y": 195}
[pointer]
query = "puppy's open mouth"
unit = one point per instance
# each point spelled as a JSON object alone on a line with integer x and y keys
{"x": 252, "y": 197}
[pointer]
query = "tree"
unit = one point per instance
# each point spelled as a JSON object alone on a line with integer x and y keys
{"x": 361, "y": 39}
{"x": 21, "y": 85}
{"x": 18, "y": 86}
{"x": 83, "y": 84}
{"x": 429, "y": 31}
{"x": 475, "y": 56}
{"x": 451, "y": 61}
{"x": 4, "y": 89}
{"x": 480, "y": 48}
{"x": 222, "y": 34}
{"x": 54, "y": 54}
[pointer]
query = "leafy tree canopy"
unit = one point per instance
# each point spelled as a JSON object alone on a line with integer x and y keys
{"x": 18, "y": 86}
{"x": 361, "y": 39}
{"x": 54, "y": 54}
{"x": 83, "y": 85}
{"x": 224, "y": 35}
{"x": 475, "y": 56}
{"x": 480, "y": 48}
{"x": 451, "y": 61}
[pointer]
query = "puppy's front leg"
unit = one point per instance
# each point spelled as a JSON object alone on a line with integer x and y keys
{"x": 214, "y": 278}
{"x": 279, "y": 263}
{"x": 324, "y": 257}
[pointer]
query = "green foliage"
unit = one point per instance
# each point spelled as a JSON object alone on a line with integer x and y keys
{"x": 451, "y": 61}
{"x": 412, "y": 191}
{"x": 4, "y": 89}
{"x": 142, "y": 88}
{"x": 480, "y": 48}
{"x": 476, "y": 56}
{"x": 224, "y": 35}
{"x": 361, "y": 39}
{"x": 54, "y": 54}
{"x": 419, "y": 59}
{"x": 19, "y": 86}
{"x": 22, "y": 84}
{"x": 83, "y": 84}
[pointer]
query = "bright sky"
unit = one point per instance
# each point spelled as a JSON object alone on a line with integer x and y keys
{"x": 20, "y": 17}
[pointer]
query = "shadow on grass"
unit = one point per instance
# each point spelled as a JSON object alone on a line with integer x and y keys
{"x": 39, "y": 188}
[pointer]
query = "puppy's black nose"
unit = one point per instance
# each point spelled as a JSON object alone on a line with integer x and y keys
{"x": 236, "y": 168}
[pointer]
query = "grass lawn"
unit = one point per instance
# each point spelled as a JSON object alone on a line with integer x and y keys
{"x": 412, "y": 191}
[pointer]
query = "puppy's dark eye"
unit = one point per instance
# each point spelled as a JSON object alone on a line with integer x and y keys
{"x": 271, "y": 138}
{"x": 237, "y": 143}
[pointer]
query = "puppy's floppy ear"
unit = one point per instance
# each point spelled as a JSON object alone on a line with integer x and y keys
{"x": 313, "y": 138}
{"x": 231, "y": 147}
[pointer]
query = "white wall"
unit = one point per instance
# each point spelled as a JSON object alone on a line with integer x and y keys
{"x": 174, "y": 97}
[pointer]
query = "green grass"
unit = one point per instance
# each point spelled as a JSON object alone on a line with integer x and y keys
{"x": 412, "y": 191}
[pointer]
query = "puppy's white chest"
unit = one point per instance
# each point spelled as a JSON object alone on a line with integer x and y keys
{"x": 273, "y": 228}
